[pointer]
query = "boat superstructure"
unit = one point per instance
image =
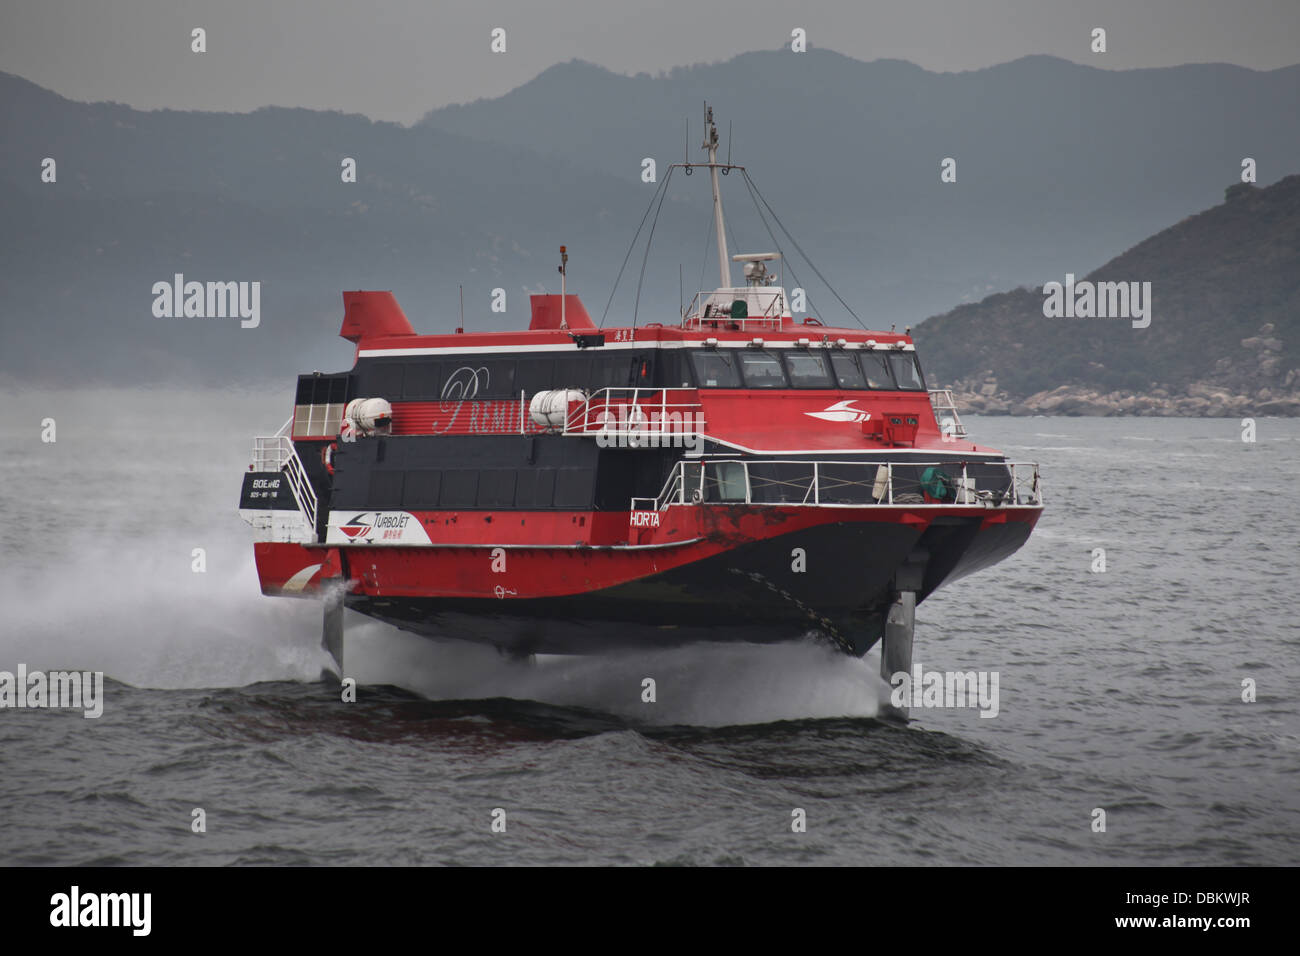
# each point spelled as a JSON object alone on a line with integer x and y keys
{"x": 736, "y": 474}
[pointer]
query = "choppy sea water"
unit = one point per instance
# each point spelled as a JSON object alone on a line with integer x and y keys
{"x": 1118, "y": 690}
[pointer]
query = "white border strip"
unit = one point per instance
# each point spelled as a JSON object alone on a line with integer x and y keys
{"x": 872, "y": 452}
{"x": 649, "y": 344}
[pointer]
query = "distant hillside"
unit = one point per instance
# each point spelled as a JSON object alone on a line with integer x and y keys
{"x": 1224, "y": 336}
{"x": 1058, "y": 166}
{"x": 141, "y": 196}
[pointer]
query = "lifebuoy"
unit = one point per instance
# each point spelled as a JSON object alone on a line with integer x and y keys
{"x": 327, "y": 456}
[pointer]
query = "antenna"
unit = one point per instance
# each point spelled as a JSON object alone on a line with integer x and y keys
{"x": 711, "y": 145}
{"x": 681, "y": 293}
{"x": 564, "y": 274}
{"x": 729, "y": 125}
{"x": 461, "y": 328}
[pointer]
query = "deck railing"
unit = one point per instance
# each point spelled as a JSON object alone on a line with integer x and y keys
{"x": 945, "y": 413}
{"x": 277, "y": 453}
{"x": 630, "y": 412}
{"x": 849, "y": 484}
{"x": 765, "y": 307}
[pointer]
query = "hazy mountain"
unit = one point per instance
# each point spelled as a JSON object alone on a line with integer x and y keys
{"x": 1057, "y": 166}
{"x": 1223, "y": 339}
{"x": 224, "y": 197}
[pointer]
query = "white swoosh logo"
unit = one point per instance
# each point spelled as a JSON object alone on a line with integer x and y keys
{"x": 841, "y": 412}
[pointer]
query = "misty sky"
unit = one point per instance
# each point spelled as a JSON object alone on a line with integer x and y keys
{"x": 396, "y": 59}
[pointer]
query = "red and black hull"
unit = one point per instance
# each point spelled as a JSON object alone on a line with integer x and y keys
{"x": 823, "y": 571}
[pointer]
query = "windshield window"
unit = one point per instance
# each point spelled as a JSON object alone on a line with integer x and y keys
{"x": 876, "y": 369}
{"x": 906, "y": 370}
{"x": 716, "y": 369}
{"x": 762, "y": 369}
{"x": 808, "y": 370}
{"x": 846, "y": 370}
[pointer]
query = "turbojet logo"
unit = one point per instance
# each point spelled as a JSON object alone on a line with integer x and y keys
{"x": 841, "y": 412}
{"x": 103, "y": 909}
{"x": 73, "y": 690}
{"x": 631, "y": 426}
{"x": 357, "y": 526}
{"x": 388, "y": 525}
{"x": 946, "y": 689}
{"x": 210, "y": 300}
{"x": 1098, "y": 300}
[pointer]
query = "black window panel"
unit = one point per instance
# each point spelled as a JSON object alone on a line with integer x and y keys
{"x": 478, "y": 380}
{"x": 674, "y": 369}
{"x": 643, "y": 370}
{"x": 534, "y": 488}
{"x": 545, "y": 488}
{"x": 382, "y": 382}
{"x": 385, "y": 490}
{"x": 421, "y": 381}
{"x": 614, "y": 370}
{"x": 608, "y": 370}
{"x": 716, "y": 368}
{"x": 535, "y": 375}
{"x": 808, "y": 369}
{"x": 617, "y": 479}
{"x": 761, "y": 369}
{"x": 496, "y": 488}
{"x": 321, "y": 389}
{"x": 501, "y": 380}
{"x": 466, "y": 379}
{"x": 377, "y": 378}
{"x": 876, "y": 369}
{"x": 573, "y": 487}
{"x": 907, "y": 371}
{"x": 459, "y": 488}
{"x": 572, "y": 371}
{"x": 422, "y": 488}
{"x": 847, "y": 371}
{"x": 526, "y": 489}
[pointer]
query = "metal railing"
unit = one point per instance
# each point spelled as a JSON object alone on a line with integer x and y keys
{"x": 638, "y": 412}
{"x": 702, "y": 310}
{"x": 277, "y": 453}
{"x": 848, "y": 484}
{"x": 945, "y": 413}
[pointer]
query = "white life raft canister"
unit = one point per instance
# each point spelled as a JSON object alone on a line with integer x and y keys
{"x": 550, "y": 409}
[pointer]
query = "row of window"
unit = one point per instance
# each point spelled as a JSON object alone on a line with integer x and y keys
{"x": 804, "y": 368}
{"x": 468, "y": 377}
{"x": 318, "y": 389}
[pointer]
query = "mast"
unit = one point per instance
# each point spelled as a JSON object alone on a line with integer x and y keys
{"x": 711, "y": 144}
{"x": 564, "y": 275}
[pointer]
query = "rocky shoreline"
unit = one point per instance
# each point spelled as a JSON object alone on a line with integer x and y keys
{"x": 1257, "y": 383}
{"x": 1197, "y": 401}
